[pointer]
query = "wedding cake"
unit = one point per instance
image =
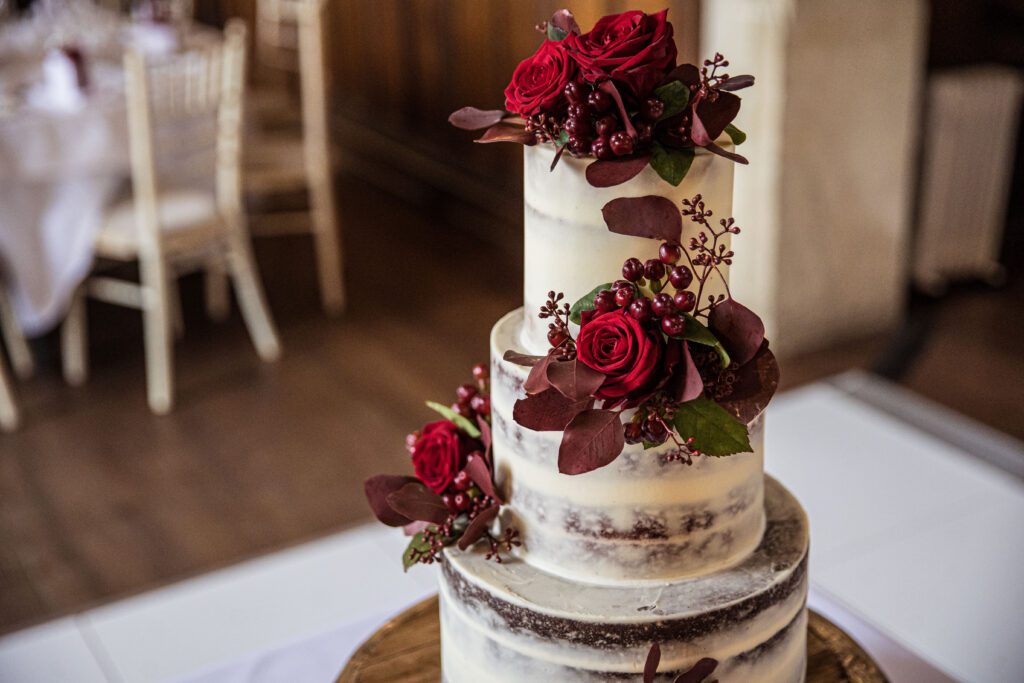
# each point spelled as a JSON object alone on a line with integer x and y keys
{"x": 596, "y": 500}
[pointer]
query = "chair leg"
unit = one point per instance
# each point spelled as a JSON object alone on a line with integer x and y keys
{"x": 218, "y": 303}
{"x": 157, "y": 327}
{"x": 9, "y": 414}
{"x": 21, "y": 356}
{"x": 327, "y": 244}
{"x": 251, "y": 300}
{"x": 74, "y": 333}
{"x": 174, "y": 301}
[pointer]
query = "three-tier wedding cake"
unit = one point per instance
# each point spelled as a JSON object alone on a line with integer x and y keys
{"x": 596, "y": 501}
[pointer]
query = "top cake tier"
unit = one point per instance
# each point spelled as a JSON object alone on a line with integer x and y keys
{"x": 568, "y": 247}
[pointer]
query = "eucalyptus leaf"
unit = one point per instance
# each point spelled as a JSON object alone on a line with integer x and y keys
{"x": 699, "y": 334}
{"x": 416, "y": 544}
{"x": 714, "y": 431}
{"x": 738, "y": 136}
{"x": 462, "y": 423}
{"x": 675, "y": 95}
{"x": 672, "y": 164}
{"x": 586, "y": 303}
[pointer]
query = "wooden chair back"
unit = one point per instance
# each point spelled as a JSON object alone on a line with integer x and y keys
{"x": 185, "y": 123}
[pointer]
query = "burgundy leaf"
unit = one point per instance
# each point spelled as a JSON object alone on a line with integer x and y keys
{"x": 378, "y": 489}
{"x": 593, "y": 439}
{"x": 480, "y": 474}
{"x": 471, "y": 118}
{"x": 738, "y": 82}
{"x": 690, "y": 384}
{"x": 564, "y": 21}
{"x": 558, "y": 156}
{"x": 609, "y": 87}
{"x": 575, "y": 380}
{"x": 698, "y": 672}
{"x": 651, "y": 216}
{"x": 738, "y": 328}
{"x": 478, "y": 527}
{"x": 537, "y": 380}
{"x": 548, "y": 411}
{"x": 754, "y": 385}
{"x": 418, "y": 503}
{"x": 611, "y": 172}
{"x": 522, "y": 358}
{"x": 507, "y": 132}
{"x": 714, "y": 116}
{"x": 485, "y": 436}
{"x": 732, "y": 156}
{"x": 687, "y": 73}
{"x": 651, "y": 665}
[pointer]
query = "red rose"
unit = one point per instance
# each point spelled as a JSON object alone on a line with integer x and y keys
{"x": 439, "y": 454}
{"x": 632, "y": 48}
{"x": 619, "y": 346}
{"x": 538, "y": 81}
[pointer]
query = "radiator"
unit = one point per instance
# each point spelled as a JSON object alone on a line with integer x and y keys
{"x": 968, "y": 145}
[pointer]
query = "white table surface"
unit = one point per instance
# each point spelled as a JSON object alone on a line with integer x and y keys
{"x": 915, "y": 548}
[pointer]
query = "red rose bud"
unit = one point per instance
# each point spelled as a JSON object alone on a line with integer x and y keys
{"x": 634, "y": 49}
{"x": 619, "y": 347}
{"x": 439, "y": 454}
{"x": 539, "y": 82}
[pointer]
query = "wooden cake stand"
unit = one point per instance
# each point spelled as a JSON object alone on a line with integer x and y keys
{"x": 408, "y": 649}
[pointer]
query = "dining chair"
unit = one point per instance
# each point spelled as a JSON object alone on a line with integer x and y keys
{"x": 9, "y": 415}
{"x": 279, "y": 161}
{"x": 185, "y": 212}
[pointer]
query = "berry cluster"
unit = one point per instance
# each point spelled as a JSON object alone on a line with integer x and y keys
{"x": 710, "y": 252}
{"x": 596, "y": 126}
{"x": 472, "y": 400}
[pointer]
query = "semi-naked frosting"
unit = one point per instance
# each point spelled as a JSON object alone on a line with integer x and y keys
{"x": 568, "y": 247}
{"x": 636, "y": 520}
{"x": 515, "y": 622}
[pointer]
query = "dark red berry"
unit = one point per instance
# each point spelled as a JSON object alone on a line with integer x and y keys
{"x": 685, "y": 301}
{"x": 624, "y": 296}
{"x": 578, "y": 144}
{"x": 654, "y": 269}
{"x": 632, "y": 269}
{"x": 462, "y": 409}
{"x": 461, "y": 501}
{"x": 574, "y": 91}
{"x": 634, "y": 432}
{"x": 669, "y": 253}
{"x": 448, "y": 500}
{"x": 641, "y": 309}
{"x": 662, "y": 305}
{"x": 654, "y": 430}
{"x": 411, "y": 439}
{"x": 481, "y": 404}
{"x": 481, "y": 372}
{"x": 557, "y": 337}
{"x": 652, "y": 109}
{"x": 600, "y": 101}
{"x": 462, "y": 481}
{"x": 619, "y": 284}
{"x": 644, "y": 132}
{"x": 622, "y": 144}
{"x": 465, "y": 392}
{"x": 673, "y": 325}
{"x": 579, "y": 110}
{"x": 680, "y": 277}
{"x": 578, "y": 126}
{"x": 604, "y": 302}
{"x": 606, "y": 125}
{"x": 601, "y": 149}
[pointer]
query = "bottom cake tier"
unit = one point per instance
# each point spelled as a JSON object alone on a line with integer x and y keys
{"x": 513, "y": 622}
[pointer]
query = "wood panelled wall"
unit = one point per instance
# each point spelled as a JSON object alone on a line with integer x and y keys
{"x": 401, "y": 66}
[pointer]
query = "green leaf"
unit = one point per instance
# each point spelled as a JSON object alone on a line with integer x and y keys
{"x": 462, "y": 423}
{"x": 586, "y": 303}
{"x": 699, "y": 334}
{"x": 737, "y": 135}
{"x": 416, "y": 544}
{"x": 675, "y": 95}
{"x": 650, "y": 444}
{"x": 555, "y": 33}
{"x": 563, "y": 137}
{"x": 671, "y": 164}
{"x": 714, "y": 431}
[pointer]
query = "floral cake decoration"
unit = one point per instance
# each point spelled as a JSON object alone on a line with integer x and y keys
{"x": 693, "y": 368}
{"x": 616, "y": 94}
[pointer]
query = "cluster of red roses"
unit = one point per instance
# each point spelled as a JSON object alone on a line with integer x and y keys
{"x": 452, "y": 499}
{"x": 616, "y": 93}
{"x": 695, "y": 375}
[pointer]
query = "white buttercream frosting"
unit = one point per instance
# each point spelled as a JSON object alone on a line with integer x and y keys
{"x": 568, "y": 247}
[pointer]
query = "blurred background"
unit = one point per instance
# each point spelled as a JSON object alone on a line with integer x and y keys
{"x": 883, "y": 216}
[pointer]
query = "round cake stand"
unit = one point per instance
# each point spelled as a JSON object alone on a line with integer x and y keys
{"x": 408, "y": 649}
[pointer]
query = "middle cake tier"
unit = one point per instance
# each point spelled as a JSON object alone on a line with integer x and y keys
{"x": 639, "y": 519}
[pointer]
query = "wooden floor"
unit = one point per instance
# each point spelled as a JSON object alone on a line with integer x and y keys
{"x": 99, "y": 499}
